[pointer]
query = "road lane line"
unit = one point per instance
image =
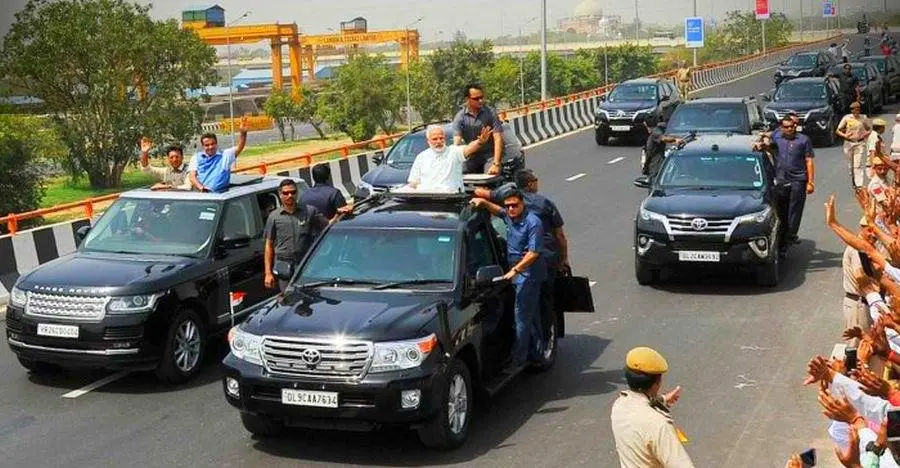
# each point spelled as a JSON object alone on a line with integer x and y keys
{"x": 93, "y": 386}
{"x": 592, "y": 283}
{"x": 576, "y": 177}
{"x": 616, "y": 160}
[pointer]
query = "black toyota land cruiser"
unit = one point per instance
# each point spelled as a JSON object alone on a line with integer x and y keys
{"x": 148, "y": 284}
{"x": 394, "y": 317}
{"x": 713, "y": 203}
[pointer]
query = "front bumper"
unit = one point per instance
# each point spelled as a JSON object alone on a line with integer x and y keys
{"x": 624, "y": 127}
{"x": 748, "y": 244}
{"x": 372, "y": 402}
{"x": 116, "y": 342}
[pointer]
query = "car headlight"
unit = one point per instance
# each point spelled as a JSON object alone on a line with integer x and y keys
{"x": 758, "y": 217}
{"x": 18, "y": 298}
{"x": 645, "y": 111}
{"x": 602, "y": 114}
{"x": 132, "y": 304}
{"x": 245, "y": 346}
{"x": 821, "y": 110}
{"x": 648, "y": 215}
{"x": 363, "y": 190}
{"x": 399, "y": 355}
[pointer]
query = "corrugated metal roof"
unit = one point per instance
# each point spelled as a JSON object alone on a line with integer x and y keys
{"x": 202, "y": 7}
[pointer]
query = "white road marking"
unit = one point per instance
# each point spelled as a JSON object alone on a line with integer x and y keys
{"x": 616, "y": 160}
{"x": 93, "y": 386}
{"x": 592, "y": 283}
{"x": 576, "y": 177}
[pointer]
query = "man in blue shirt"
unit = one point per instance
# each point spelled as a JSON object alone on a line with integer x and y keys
{"x": 210, "y": 169}
{"x": 524, "y": 240}
{"x": 794, "y": 169}
{"x": 323, "y": 196}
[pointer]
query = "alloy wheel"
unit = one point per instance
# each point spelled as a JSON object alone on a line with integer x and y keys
{"x": 187, "y": 346}
{"x": 457, "y": 404}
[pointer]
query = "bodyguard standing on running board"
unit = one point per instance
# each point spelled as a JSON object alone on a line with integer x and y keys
{"x": 467, "y": 125}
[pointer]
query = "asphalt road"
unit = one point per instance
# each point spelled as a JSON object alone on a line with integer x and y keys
{"x": 739, "y": 352}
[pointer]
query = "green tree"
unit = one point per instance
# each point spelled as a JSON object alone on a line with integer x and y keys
{"x": 428, "y": 97}
{"x": 108, "y": 74}
{"x": 22, "y": 141}
{"x": 364, "y": 95}
{"x": 742, "y": 33}
{"x": 310, "y": 110}
{"x": 462, "y": 63}
{"x": 502, "y": 82}
{"x": 280, "y": 107}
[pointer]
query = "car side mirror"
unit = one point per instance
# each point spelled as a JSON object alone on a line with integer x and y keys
{"x": 602, "y": 98}
{"x": 378, "y": 158}
{"x": 485, "y": 275}
{"x": 236, "y": 242}
{"x": 664, "y": 98}
{"x": 81, "y": 233}
{"x": 642, "y": 182}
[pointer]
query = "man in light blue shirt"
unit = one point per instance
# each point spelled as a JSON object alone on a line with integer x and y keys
{"x": 210, "y": 169}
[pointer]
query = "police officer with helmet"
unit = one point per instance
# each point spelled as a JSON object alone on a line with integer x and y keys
{"x": 644, "y": 430}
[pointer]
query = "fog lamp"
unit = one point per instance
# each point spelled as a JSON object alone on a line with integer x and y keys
{"x": 761, "y": 242}
{"x": 232, "y": 387}
{"x": 642, "y": 241}
{"x": 410, "y": 399}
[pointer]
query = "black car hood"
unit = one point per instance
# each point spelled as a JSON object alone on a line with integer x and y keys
{"x": 359, "y": 314}
{"x": 787, "y": 68}
{"x": 387, "y": 175}
{"x": 705, "y": 203}
{"x": 799, "y": 106}
{"x": 130, "y": 274}
{"x": 628, "y": 106}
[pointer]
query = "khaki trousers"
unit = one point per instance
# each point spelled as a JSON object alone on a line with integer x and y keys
{"x": 856, "y": 314}
{"x": 856, "y": 156}
{"x": 684, "y": 87}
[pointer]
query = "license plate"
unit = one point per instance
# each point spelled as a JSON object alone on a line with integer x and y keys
{"x": 309, "y": 398}
{"x": 689, "y": 256}
{"x": 799, "y": 128}
{"x": 58, "y": 331}
{"x": 621, "y": 128}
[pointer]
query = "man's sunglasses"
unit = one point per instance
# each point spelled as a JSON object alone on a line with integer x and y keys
{"x": 788, "y": 127}
{"x": 512, "y": 205}
{"x": 289, "y": 193}
{"x": 477, "y": 98}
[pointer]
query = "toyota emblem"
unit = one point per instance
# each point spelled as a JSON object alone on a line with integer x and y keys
{"x": 311, "y": 356}
{"x": 699, "y": 224}
{"x": 620, "y": 113}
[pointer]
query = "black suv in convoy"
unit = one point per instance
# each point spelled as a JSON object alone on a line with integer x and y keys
{"x": 149, "y": 283}
{"x": 889, "y": 67}
{"x": 804, "y": 64}
{"x": 713, "y": 203}
{"x": 632, "y": 106}
{"x": 871, "y": 82}
{"x": 736, "y": 115}
{"x": 395, "y": 317}
{"x": 818, "y": 103}
{"x": 392, "y": 170}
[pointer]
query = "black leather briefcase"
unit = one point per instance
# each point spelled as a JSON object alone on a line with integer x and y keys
{"x": 573, "y": 294}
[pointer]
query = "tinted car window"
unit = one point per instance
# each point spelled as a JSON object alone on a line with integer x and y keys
{"x": 717, "y": 117}
{"x": 406, "y": 150}
{"x": 240, "y": 219}
{"x": 794, "y": 91}
{"x": 633, "y": 92}
{"x": 858, "y": 71}
{"x": 801, "y": 61}
{"x": 737, "y": 171}
{"x": 479, "y": 253}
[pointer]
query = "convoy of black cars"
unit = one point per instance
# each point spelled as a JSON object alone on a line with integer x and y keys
{"x": 818, "y": 103}
{"x": 804, "y": 64}
{"x": 632, "y": 107}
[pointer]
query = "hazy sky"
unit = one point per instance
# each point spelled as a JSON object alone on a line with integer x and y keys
{"x": 477, "y": 18}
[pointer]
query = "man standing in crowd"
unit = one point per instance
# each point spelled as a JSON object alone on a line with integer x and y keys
{"x": 467, "y": 126}
{"x": 644, "y": 431}
{"x": 289, "y": 232}
{"x": 524, "y": 244}
{"x": 793, "y": 166}
{"x": 856, "y": 313}
{"x": 655, "y": 150}
{"x": 854, "y": 129}
{"x": 683, "y": 76}
{"x": 440, "y": 167}
{"x": 173, "y": 176}
{"x": 210, "y": 169}
{"x": 874, "y": 142}
{"x": 848, "y": 84}
{"x": 323, "y": 196}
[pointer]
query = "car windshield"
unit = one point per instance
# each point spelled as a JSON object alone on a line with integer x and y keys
{"x": 150, "y": 226}
{"x": 383, "y": 255}
{"x": 736, "y": 171}
{"x": 801, "y": 61}
{"x": 633, "y": 92}
{"x": 793, "y": 91}
{"x": 859, "y": 72}
{"x": 406, "y": 150}
{"x": 709, "y": 118}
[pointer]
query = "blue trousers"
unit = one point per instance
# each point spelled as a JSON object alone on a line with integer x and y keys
{"x": 528, "y": 320}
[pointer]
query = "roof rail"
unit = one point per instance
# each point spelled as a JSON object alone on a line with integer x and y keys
{"x": 426, "y": 124}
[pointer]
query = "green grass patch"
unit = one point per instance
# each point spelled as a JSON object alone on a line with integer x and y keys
{"x": 64, "y": 190}
{"x": 257, "y": 150}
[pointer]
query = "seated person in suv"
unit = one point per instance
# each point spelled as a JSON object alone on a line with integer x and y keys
{"x": 440, "y": 167}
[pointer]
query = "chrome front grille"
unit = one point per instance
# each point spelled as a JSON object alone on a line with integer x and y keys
{"x": 696, "y": 225}
{"x": 66, "y": 306}
{"x": 318, "y": 359}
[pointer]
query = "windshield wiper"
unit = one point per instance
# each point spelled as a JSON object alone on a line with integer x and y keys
{"x": 316, "y": 284}
{"x": 394, "y": 284}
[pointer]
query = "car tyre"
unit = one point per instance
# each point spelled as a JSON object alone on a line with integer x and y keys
{"x": 550, "y": 348}
{"x": 38, "y": 367}
{"x": 450, "y": 428}
{"x": 769, "y": 274}
{"x": 601, "y": 138}
{"x": 185, "y": 348}
{"x": 261, "y": 426}
{"x": 644, "y": 274}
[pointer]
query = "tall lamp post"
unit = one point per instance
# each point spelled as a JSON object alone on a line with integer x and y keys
{"x": 230, "y": 77}
{"x": 408, "y": 100}
{"x": 543, "y": 50}
{"x": 522, "y": 59}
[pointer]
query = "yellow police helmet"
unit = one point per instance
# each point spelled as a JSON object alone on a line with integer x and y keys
{"x": 879, "y": 122}
{"x": 646, "y": 360}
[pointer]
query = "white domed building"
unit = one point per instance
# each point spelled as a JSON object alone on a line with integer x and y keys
{"x": 588, "y": 19}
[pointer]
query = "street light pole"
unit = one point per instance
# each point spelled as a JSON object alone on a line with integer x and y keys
{"x": 543, "y": 50}
{"x": 408, "y": 99}
{"x": 637, "y": 24}
{"x": 695, "y": 49}
{"x": 522, "y": 59}
{"x": 230, "y": 77}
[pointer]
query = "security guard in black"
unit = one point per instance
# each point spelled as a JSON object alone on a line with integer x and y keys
{"x": 289, "y": 232}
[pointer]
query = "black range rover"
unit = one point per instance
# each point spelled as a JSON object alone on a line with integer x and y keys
{"x": 393, "y": 318}
{"x": 713, "y": 203}
{"x": 149, "y": 283}
{"x": 632, "y": 106}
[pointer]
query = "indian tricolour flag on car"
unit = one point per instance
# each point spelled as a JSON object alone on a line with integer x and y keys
{"x": 236, "y": 297}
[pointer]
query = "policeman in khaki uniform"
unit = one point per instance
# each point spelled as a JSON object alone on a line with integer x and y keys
{"x": 645, "y": 433}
